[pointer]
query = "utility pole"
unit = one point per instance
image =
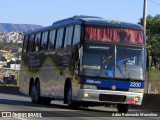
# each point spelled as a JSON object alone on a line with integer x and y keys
{"x": 144, "y": 25}
{"x": 144, "y": 16}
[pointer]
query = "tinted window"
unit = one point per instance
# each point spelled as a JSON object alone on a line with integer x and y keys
{"x": 59, "y": 39}
{"x": 68, "y": 36}
{"x": 52, "y": 39}
{"x": 25, "y": 42}
{"x": 37, "y": 42}
{"x": 44, "y": 40}
{"x": 31, "y": 43}
{"x": 77, "y": 32}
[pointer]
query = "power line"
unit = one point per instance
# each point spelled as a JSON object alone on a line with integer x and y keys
{"x": 155, "y": 2}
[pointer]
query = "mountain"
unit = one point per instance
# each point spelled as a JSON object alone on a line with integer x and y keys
{"x": 8, "y": 27}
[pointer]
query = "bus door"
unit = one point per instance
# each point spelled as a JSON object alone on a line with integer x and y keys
{"x": 74, "y": 67}
{"x": 74, "y": 61}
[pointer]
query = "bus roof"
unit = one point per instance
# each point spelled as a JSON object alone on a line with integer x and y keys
{"x": 88, "y": 20}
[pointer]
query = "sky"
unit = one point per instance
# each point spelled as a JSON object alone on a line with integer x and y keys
{"x": 45, "y": 12}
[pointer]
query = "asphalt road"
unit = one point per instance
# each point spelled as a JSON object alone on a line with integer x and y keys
{"x": 19, "y": 106}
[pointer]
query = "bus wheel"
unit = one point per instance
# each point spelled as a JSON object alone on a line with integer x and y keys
{"x": 33, "y": 93}
{"x": 37, "y": 93}
{"x": 123, "y": 108}
{"x": 71, "y": 104}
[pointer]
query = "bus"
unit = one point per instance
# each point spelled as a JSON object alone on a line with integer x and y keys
{"x": 85, "y": 61}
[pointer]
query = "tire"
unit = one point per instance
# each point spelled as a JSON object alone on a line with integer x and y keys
{"x": 35, "y": 93}
{"x": 123, "y": 108}
{"x": 71, "y": 104}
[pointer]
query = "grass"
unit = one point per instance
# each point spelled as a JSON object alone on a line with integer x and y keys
{"x": 154, "y": 76}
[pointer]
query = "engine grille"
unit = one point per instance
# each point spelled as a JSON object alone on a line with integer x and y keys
{"x": 112, "y": 98}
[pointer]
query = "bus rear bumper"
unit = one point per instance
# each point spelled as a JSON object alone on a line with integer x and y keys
{"x": 107, "y": 96}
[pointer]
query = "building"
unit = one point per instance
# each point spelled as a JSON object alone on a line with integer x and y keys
{"x": 15, "y": 37}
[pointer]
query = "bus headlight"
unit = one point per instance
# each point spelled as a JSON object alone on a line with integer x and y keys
{"x": 137, "y": 98}
{"x": 137, "y": 90}
{"x": 84, "y": 86}
{"x": 86, "y": 95}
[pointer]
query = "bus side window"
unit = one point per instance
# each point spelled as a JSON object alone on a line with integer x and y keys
{"x": 68, "y": 36}
{"x": 25, "y": 42}
{"x": 44, "y": 40}
{"x": 59, "y": 40}
{"x": 37, "y": 42}
{"x": 77, "y": 34}
{"x": 31, "y": 43}
{"x": 52, "y": 36}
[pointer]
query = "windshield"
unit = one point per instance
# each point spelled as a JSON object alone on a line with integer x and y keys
{"x": 97, "y": 58}
{"x": 112, "y": 61}
{"x": 130, "y": 63}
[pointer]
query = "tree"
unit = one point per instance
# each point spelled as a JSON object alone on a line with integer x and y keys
{"x": 9, "y": 46}
{"x": 2, "y": 44}
{"x": 153, "y": 41}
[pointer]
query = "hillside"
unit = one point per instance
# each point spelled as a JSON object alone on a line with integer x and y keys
{"x": 8, "y": 27}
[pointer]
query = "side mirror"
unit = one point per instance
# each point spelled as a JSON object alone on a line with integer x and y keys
{"x": 76, "y": 69}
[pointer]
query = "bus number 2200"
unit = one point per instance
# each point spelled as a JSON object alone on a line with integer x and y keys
{"x": 135, "y": 84}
